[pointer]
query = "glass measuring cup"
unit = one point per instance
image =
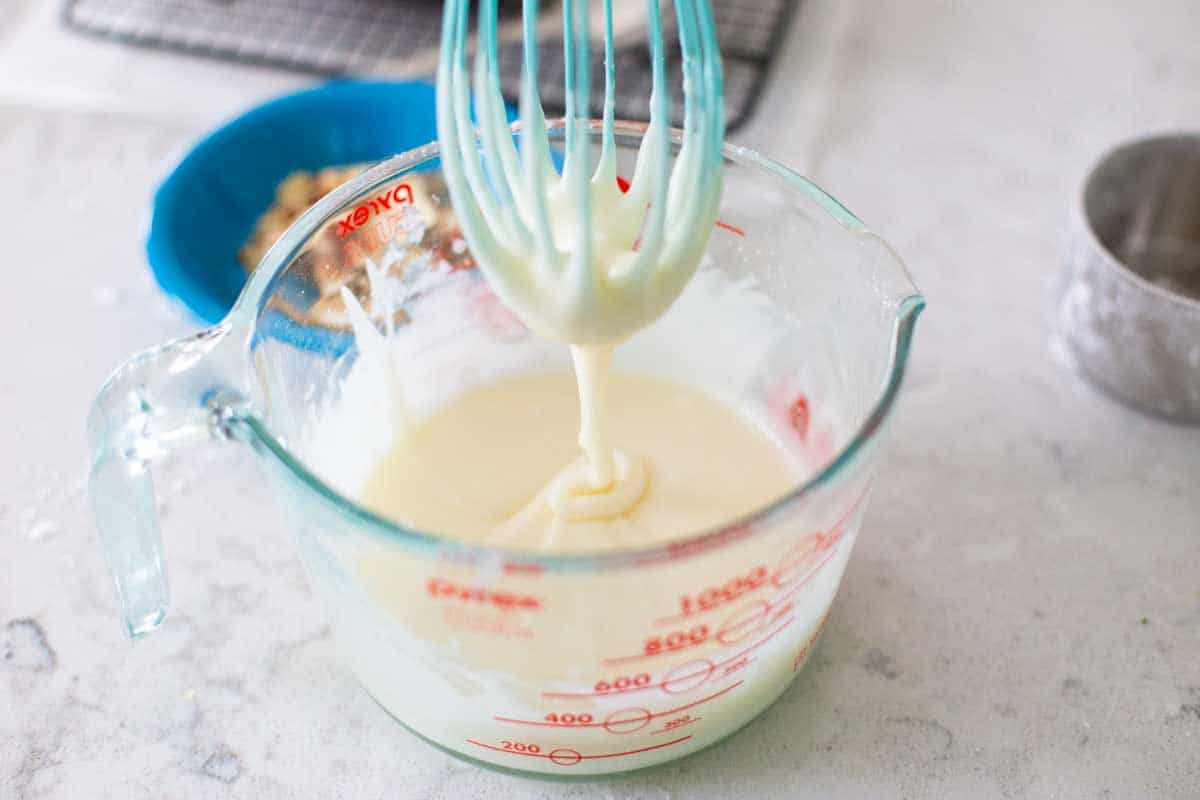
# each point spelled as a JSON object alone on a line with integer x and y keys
{"x": 563, "y": 665}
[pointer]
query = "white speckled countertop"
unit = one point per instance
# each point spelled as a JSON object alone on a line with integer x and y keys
{"x": 1022, "y": 614}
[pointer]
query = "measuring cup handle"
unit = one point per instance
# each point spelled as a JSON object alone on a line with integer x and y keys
{"x": 160, "y": 399}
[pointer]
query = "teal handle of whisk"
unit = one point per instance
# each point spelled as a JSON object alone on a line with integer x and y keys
{"x": 156, "y": 402}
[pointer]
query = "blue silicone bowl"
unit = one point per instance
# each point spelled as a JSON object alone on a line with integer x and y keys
{"x": 206, "y": 207}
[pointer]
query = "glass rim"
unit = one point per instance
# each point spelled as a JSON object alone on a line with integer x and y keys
{"x": 246, "y": 425}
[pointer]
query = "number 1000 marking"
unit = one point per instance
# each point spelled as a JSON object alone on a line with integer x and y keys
{"x": 715, "y": 596}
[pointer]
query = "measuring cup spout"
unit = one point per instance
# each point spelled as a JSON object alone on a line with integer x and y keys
{"x": 160, "y": 399}
{"x": 890, "y": 277}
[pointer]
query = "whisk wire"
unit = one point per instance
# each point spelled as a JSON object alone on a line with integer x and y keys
{"x": 453, "y": 168}
{"x": 577, "y": 167}
{"x": 499, "y": 150}
{"x": 534, "y": 155}
{"x": 649, "y": 188}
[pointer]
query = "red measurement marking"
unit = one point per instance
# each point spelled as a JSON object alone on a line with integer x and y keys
{"x": 679, "y": 679}
{"x": 735, "y": 666}
{"x": 599, "y": 694}
{"x": 793, "y": 561}
{"x": 566, "y": 757}
{"x": 812, "y": 573}
{"x": 783, "y": 602}
{"x": 711, "y": 668}
{"x": 738, "y": 588}
{"x": 675, "y": 681}
{"x": 800, "y": 562}
{"x": 653, "y": 715}
{"x": 851, "y": 510}
{"x": 532, "y": 570}
{"x": 649, "y": 655}
{"x": 702, "y": 700}
{"x": 628, "y": 720}
{"x": 711, "y": 597}
{"x": 742, "y": 624}
{"x": 757, "y": 644}
{"x": 663, "y": 645}
{"x": 676, "y": 725}
{"x": 622, "y": 184}
{"x": 483, "y": 621}
{"x": 731, "y": 228}
{"x": 804, "y": 651}
{"x": 799, "y": 416}
{"x": 621, "y": 683}
{"x": 567, "y": 718}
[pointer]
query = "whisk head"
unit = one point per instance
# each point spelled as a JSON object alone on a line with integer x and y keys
{"x": 577, "y": 258}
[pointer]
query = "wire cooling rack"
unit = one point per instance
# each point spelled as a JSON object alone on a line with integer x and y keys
{"x": 400, "y": 37}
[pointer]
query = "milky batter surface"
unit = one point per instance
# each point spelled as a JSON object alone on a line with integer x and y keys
{"x": 482, "y": 467}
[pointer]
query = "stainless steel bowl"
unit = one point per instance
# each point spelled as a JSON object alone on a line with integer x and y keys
{"x": 1129, "y": 301}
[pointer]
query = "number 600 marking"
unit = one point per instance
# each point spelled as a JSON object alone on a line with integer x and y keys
{"x": 623, "y": 682}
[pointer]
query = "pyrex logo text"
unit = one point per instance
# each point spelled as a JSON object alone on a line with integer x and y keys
{"x": 401, "y": 195}
{"x": 439, "y": 588}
